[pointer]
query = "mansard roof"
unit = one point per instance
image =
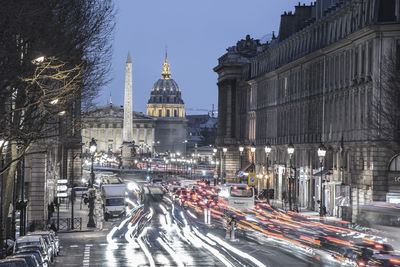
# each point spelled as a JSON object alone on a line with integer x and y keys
{"x": 112, "y": 111}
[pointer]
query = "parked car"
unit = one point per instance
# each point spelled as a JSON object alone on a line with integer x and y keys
{"x": 29, "y": 240}
{"x": 15, "y": 262}
{"x": 29, "y": 259}
{"x": 56, "y": 241}
{"x": 51, "y": 246}
{"x": 41, "y": 249}
{"x": 8, "y": 247}
{"x": 36, "y": 253}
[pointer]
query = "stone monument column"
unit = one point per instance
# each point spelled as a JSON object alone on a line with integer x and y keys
{"x": 127, "y": 130}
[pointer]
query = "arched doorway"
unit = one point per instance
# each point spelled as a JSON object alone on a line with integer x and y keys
{"x": 393, "y": 195}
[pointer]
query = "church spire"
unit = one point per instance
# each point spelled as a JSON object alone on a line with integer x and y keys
{"x": 166, "y": 73}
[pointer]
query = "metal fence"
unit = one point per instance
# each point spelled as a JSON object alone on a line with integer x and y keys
{"x": 65, "y": 224}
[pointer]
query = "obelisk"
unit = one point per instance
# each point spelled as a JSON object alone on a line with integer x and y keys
{"x": 127, "y": 130}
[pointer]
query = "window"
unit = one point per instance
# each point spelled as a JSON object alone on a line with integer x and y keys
{"x": 395, "y": 164}
{"x": 159, "y": 113}
{"x": 175, "y": 113}
{"x": 387, "y": 9}
{"x": 168, "y": 115}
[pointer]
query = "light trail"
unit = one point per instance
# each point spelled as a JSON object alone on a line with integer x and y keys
{"x": 236, "y": 251}
{"x": 110, "y": 241}
{"x": 171, "y": 252}
{"x": 144, "y": 247}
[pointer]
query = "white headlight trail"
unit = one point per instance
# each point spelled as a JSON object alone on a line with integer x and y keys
{"x": 235, "y": 250}
{"x": 174, "y": 256}
{"x": 144, "y": 247}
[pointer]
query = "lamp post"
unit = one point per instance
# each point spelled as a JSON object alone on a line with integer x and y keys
{"x": 224, "y": 150}
{"x": 321, "y": 154}
{"x": 216, "y": 170}
{"x": 92, "y": 193}
{"x": 290, "y": 151}
{"x": 241, "y": 149}
{"x": 267, "y": 151}
{"x": 3, "y": 151}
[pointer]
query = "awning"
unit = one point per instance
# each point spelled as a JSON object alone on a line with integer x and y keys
{"x": 244, "y": 168}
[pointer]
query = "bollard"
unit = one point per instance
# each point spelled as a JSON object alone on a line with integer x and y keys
{"x": 233, "y": 234}
{"x": 233, "y": 231}
{"x": 228, "y": 228}
{"x": 205, "y": 216}
{"x": 208, "y": 216}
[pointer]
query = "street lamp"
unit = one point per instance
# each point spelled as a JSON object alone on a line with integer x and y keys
{"x": 224, "y": 150}
{"x": 92, "y": 149}
{"x": 290, "y": 151}
{"x": 252, "y": 150}
{"x": 321, "y": 154}
{"x": 215, "y": 169}
{"x": 267, "y": 151}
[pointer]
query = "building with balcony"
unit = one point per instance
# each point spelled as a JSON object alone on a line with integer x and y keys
{"x": 317, "y": 81}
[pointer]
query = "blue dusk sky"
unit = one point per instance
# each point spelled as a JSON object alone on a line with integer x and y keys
{"x": 196, "y": 34}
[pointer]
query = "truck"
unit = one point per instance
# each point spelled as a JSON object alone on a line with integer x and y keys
{"x": 113, "y": 196}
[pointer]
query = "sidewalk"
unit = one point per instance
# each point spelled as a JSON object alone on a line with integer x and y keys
{"x": 81, "y": 216}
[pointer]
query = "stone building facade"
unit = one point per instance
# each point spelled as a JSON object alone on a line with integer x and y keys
{"x": 317, "y": 81}
{"x": 105, "y": 124}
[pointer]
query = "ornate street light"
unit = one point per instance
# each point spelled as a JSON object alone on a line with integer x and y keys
{"x": 92, "y": 192}
{"x": 290, "y": 151}
{"x": 268, "y": 149}
{"x": 241, "y": 149}
{"x": 252, "y": 150}
{"x": 321, "y": 154}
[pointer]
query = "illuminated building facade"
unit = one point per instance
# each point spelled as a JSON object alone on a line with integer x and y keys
{"x": 317, "y": 81}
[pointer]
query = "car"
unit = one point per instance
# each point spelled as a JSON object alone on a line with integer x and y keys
{"x": 15, "y": 262}
{"x": 81, "y": 191}
{"x": 29, "y": 259}
{"x": 36, "y": 253}
{"x": 51, "y": 246}
{"x": 29, "y": 240}
{"x": 56, "y": 241}
{"x": 40, "y": 249}
{"x": 362, "y": 253}
{"x": 386, "y": 260}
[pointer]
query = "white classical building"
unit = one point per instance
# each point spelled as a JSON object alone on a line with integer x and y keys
{"x": 105, "y": 125}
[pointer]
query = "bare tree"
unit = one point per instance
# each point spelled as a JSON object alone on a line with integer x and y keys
{"x": 54, "y": 57}
{"x": 386, "y": 107}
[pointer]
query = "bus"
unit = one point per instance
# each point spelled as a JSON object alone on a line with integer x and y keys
{"x": 236, "y": 196}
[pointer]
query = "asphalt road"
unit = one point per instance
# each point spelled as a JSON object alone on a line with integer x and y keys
{"x": 165, "y": 236}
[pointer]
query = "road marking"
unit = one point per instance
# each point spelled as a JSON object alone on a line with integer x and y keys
{"x": 73, "y": 246}
{"x": 86, "y": 255}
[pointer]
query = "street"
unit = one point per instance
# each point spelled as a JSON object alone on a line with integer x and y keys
{"x": 161, "y": 233}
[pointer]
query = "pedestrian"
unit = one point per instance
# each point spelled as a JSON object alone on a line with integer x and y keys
{"x": 53, "y": 227}
{"x": 324, "y": 210}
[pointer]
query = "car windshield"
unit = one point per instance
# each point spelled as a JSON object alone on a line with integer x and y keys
{"x": 241, "y": 192}
{"x": 21, "y": 244}
{"x": 115, "y": 202}
{"x": 29, "y": 248}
